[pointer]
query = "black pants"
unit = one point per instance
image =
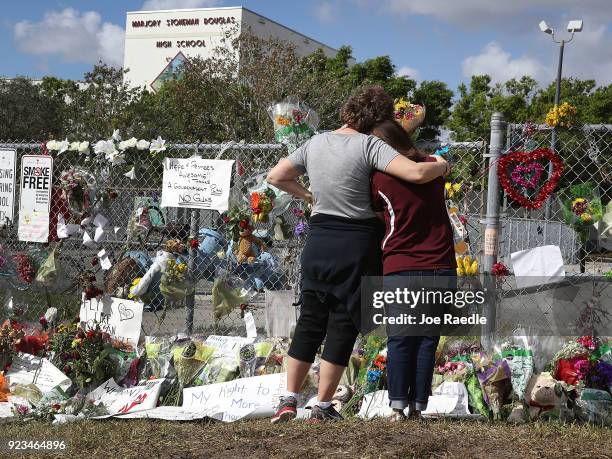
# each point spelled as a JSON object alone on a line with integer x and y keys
{"x": 321, "y": 316}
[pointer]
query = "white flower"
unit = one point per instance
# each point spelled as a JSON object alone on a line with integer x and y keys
{"x": 74, "y": 146}
{"x": 131, "y": 174}
{"x": 130, "y": 143}
{"x": 116, "y": 136}
{"x": 115, "y": 158}
{"x": 51, "y": 315}
{"x": 53, "y": 145}
{"x": 143, "y": 144}
{"x": 63, "y": 146}
{"x": 84, "y": 147}
{"x": 158, "y": 145}
{"x": 104, "y": 147}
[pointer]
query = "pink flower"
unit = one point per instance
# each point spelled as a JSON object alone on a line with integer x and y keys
{"x": 582, "y": 367}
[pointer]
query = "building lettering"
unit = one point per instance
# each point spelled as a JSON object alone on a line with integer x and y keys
{"x": 182, "y": 22}
{"x": 190, "y": 44}
{"x": 147, "y": 24}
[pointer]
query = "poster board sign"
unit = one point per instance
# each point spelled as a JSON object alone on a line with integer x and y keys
{"x": 7, "y": 185}
{"x": 237, "y": 399}
{"x": 196, "y": 183}
{"x": 35, "y": 198}
{"x": 227, "y": 346}
{"x": 119, "y": 400}
{"x": 122, "y": 319}
{"x": 28, "y": 369}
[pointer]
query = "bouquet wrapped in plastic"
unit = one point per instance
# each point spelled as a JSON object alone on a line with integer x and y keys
{"x": 409, "y": 116}
{"x": 581, "y": 207}
{"x": 78, "y": 189}
{"x": 176, "y": 282}
{"x": 50, "y": 269}
{"x": 294, "y": 122}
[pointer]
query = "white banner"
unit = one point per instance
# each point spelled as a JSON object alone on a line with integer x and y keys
{"x": 35, "y": 198}
{"x": 7, "y": 185}
{"x": 119, "y": 318}
{"x": 238, "y": 398}
{"x": 118, "y": 400}
{"x": 196, "y": 183}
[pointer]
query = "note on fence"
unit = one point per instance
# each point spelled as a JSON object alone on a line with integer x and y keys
{"x": 28, "y": 369}
{"x": 196, "y": 183}
{"x": 537, "y": 266}
{"x": 122, "y": 319}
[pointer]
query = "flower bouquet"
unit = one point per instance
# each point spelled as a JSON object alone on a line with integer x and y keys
{"x": 25, "y": 267}
{"x": 563, "y": 116}
{"x": 176, "y": 281}
{"x": 9, "y": 340}
{"x": 262, "y": 203}
{"x": 294, "y": 122}
{"x": 50, "y": 270}
{"x": 409, "y": 116}
{"x": 581, "y": 207}
{"x": 237, "y": 219}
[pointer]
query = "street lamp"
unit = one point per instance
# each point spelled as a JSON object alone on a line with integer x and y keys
{"x": 573, "y": 27}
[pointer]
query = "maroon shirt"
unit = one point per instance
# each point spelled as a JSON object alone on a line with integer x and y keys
{"x": 418, "y": 232}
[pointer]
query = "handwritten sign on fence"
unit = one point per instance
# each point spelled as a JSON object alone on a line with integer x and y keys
{"x": 196, "y": 183}
{"x": 119, "y": 318}
{"x": 238, "y": 398}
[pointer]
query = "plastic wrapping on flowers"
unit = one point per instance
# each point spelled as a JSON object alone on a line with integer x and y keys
{"x": 294, "y": 122}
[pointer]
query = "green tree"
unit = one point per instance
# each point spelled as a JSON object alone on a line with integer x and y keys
{"x": 472, "y": 111}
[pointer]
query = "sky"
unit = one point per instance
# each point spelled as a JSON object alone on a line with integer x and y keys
{"x": 447, "y": 40}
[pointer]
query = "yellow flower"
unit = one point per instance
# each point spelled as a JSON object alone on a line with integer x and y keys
{"x": 76, "y": 342}
{"x": 577, "y": 200}
{"x": 586, "y": 217}
{"x": 400, "y": 104}
{"x": 452, "y": 189}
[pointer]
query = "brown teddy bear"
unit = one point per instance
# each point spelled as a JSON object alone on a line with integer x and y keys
{"x": 246, "y": 245}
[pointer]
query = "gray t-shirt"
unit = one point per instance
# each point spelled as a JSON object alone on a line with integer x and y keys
{"x": 339, "y": 167}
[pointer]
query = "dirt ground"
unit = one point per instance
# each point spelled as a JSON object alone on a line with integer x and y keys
{"x": 353, "y": 439}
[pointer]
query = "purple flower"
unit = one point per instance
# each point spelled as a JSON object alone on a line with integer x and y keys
{"x": 22, "y": 410}
{"x": 300, "y": 228}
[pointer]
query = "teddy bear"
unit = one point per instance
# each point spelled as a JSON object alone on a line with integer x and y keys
{"x": 545, "y": 396}
{"x": 246, "y": 245}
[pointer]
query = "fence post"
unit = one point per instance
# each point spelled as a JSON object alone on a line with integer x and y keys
{"x": 492, "y": 229}
{"x": 194, "y": 222}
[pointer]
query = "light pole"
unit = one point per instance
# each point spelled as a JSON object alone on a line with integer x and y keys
{"x": 573, "y": 27}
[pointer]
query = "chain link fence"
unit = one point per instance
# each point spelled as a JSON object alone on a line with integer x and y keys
{"x": 582, "y": 302}
{"x": 138, "y": 227}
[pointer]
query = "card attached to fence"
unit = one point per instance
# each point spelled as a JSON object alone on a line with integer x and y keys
{"x": 7, "y": 185}
{"x": 196, "y": 183}
{"x": 537, "y": 266}
{"x": 35, "y": 198}
{"x": 122, "y": 319}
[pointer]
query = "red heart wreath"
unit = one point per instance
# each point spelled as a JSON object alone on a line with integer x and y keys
{"x": 524, "y": 160}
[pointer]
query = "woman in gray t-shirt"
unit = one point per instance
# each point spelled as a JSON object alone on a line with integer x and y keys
{"x": 343, "y": 240}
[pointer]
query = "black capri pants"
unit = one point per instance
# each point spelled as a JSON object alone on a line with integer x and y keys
{"x": 323, "y": 315}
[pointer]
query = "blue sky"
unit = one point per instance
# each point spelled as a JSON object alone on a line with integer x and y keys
{"x": 447, "y": 40}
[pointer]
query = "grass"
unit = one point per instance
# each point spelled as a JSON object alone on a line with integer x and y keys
{"x": 351, "y": 438}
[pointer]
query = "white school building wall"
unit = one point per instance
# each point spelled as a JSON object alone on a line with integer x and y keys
{"x": 154, "y": 38}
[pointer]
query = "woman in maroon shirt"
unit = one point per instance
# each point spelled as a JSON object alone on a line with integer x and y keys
{"x": 418, "y": 244}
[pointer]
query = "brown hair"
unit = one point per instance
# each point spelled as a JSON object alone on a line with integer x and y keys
{"x": 391, "y": 132}
{"x": 366, "y": 107}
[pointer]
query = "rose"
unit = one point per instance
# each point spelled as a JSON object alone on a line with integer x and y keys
{"x": 43, "y": 321}
{"x": 243, "y": 224}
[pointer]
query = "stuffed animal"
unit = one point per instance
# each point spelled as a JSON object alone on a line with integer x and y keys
{"x": 246, "y": 242}
{"x": 545, "y": 394}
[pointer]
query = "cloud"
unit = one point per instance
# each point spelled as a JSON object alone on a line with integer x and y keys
{"x": 325, "y": 12}
{"x": 75, "y": 36}
{"x": 501, "y": 66}
{"x": 177, "y": 4}
{"x": 409, "y": 72}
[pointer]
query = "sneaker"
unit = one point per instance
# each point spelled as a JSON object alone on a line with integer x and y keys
{"x": 325, "y": 414}
{"x": 397, "y": 416}
{"x": 286, "y": 411}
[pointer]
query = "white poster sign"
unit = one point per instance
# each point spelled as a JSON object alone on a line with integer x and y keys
{"x": 122, "y": 319}
{"x": 35, "y": 198}
{"x": 537, "y": 266}
{"x": 239, "y": 398}
{"x": 196, "y": 183}
{"x": 119, "y": 400}
{"x": 28, "y": 369}
{"x": 7, "y": 185}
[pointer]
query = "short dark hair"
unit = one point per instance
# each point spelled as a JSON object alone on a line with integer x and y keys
{"x": 366, "y": 107}
{"x": 391, "y": 132}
